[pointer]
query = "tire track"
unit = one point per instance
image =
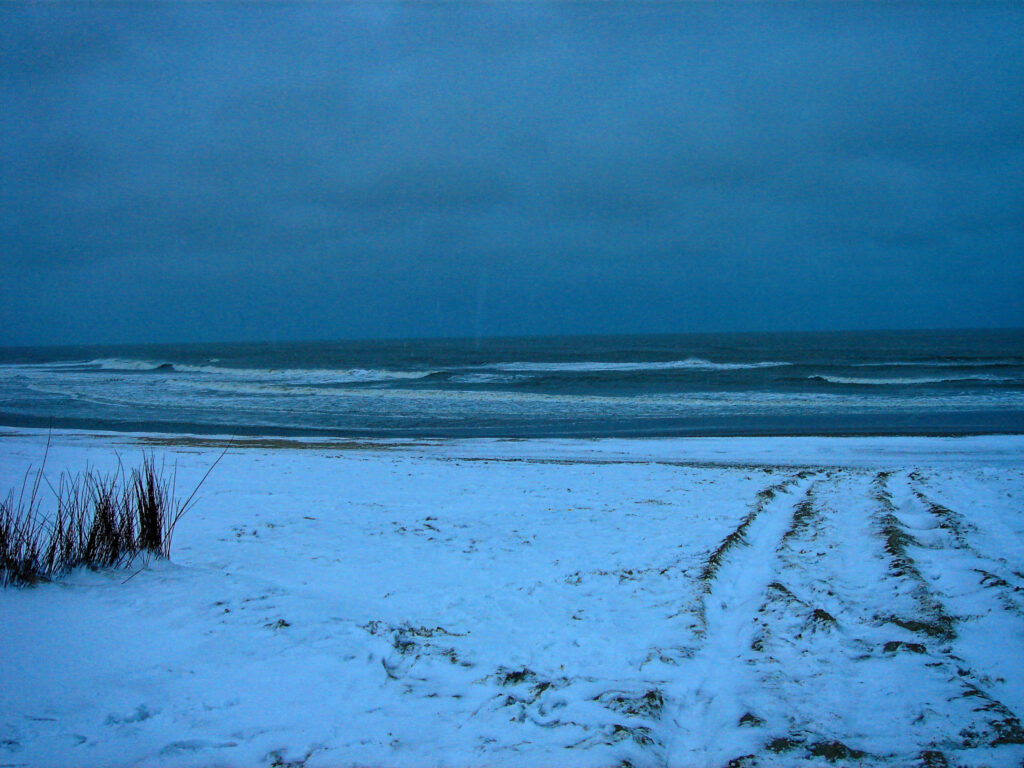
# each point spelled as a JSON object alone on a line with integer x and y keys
{"x": 854, "y": 655}
{"x": 931, "y": 616}
{"x": 946, "y": 558}
{"x": 710, "y": 572}
{"x": 806, "y": 638}
{"x": 993, "y": 573}
{"x": 708, "y": 692}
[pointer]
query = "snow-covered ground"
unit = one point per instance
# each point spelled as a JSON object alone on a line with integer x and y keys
{"x": 682, "y": 602}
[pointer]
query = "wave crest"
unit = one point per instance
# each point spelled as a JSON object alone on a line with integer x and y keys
{"x": 904, "y": 380}
{"x": 690, "y": 363}
{"x": 301, "y": 375}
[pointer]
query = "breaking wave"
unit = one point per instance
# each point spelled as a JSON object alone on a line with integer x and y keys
{"x": 907, "y": 381}
{"x": 690, "y": 363}
{"x": 993, "y": 363}
{"x": 305, "y": 375}
{"x": 124, "y": 364}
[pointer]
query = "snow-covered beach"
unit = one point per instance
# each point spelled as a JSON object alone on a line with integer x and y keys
{"x": 662, "y": 602}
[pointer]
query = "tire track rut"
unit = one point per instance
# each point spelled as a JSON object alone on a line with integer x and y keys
{"x": 708, "y": 693}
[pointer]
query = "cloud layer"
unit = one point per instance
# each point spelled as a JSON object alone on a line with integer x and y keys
{"x": 201, "y": 172}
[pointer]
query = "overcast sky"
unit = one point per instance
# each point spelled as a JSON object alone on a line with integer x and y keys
{"x": 191, "y": 172}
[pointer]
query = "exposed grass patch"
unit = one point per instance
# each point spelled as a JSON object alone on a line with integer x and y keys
{"x": 1003, "y": 725}
{"x": 1008, "y": 731}
{"x": 649, "y": 704}
{"x": 640, "y": 734}
{"x": 278, "y": 759}
{"x": 515, "y": 676}
{"x": 99, "y": 521}
{"x": 820, "y": 620}
{"x": 778, "y": 590}
{"x": 783, "y": 744}
{"x": 750, "y": 720}
{"x": 835, "y": 750}
{"x": 897, "y": 540}
{"x": 940, "y": 627}
{"x": 895, "y": 646}
{"x": 803, "y": 514}
{"x": 991, "y": 580}
{"x": 931, "y": 758}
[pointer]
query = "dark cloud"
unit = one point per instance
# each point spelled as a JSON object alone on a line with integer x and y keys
{"x": 239, "y": 171}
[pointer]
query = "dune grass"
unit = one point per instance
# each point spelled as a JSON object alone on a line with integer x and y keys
{"x": 98, "y": 520}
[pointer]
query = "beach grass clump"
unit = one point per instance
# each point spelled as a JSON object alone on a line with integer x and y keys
{"x": 98, "y": 521}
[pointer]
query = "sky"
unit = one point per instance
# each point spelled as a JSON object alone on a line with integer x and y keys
{"x": 229, "y": 171}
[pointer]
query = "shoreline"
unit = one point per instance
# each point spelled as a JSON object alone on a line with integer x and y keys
{"x": 672, "y": 429}
{"x": 787, "y": 450}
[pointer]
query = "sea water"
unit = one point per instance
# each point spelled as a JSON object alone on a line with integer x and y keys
{"x": 948, "y": 382}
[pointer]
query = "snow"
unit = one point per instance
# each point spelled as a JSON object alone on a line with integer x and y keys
{"x": 670, "y": 602}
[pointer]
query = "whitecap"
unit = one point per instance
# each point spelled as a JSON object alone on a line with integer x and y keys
{"x": 898, "y": 381}
{"x": 690, "y": 363}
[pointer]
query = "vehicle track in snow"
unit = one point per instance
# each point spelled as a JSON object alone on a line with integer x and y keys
{"x": 842, "y": 642}
{"x": 994, "y": 573}
{"x": 979, "y": 606}
{"x": 707, "y": 694}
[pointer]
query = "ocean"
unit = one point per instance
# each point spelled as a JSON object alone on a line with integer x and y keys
{"x": 912, "y": 383}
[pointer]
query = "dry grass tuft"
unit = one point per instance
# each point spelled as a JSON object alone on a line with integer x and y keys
{"x": 99, "y": 521}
